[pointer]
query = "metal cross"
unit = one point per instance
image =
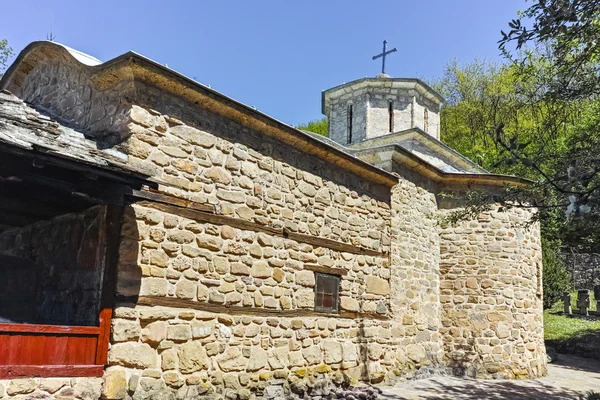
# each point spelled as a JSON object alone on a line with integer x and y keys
{"x": 382, "y": 55}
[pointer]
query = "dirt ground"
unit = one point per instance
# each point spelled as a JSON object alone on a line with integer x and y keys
{"x": 569, "y": 377}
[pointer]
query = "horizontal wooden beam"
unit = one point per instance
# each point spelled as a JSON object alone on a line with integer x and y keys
{"x": 50, "y": 371}
{"x": 240, "y": 310}
{"x": 172, "y": 200}
{"x": 326, "y": 270}
{"x": 52, "y": 329}
{"x": 201, "y": 213}
{"x": 330, "y": 244}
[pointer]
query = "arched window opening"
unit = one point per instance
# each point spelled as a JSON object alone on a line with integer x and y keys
{"x": 349, "y": 125}
{"x": 391, "y": 116}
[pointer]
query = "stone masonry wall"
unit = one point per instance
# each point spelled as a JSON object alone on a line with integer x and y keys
{"x": 491, "y": 296}
{"x": 370, "y": 108}
{"x": 246, "y": 174}
{"x": 584, "y": 269}
{"x": 51, "y": 388}
{"x": 161, "y": 350}
{"x": 179, "y": 257}
{"x": 486, "y": 274}
{"x": 63, "y": 90}
{"x": 415, "y": 276}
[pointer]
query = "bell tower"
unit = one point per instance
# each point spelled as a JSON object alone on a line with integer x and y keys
{"x": 371, "y": 107}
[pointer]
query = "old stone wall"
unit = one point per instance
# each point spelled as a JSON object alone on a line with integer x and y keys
{"x": 215, "y": 352}
{"x": 584, "y": 269}
{"x": 379, "y": 117}
{"x": 491, "y": 296}
{"x": 64, "y": 90}
{"x": 370, "y": 108}
{"x": 339, "y": 119}
{"x": 51, "y": 388}
{"x": 415, "y": 276}
{"x": 213, "y": 160}
{"x": 209, "y": 309}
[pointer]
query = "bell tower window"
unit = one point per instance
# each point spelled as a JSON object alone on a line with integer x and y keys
{"x": 391, "y": 116}
{"x": 349, "y": 125}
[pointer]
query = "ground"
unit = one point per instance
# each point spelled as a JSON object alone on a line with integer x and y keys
{"x": 576, "y": 334}
{"x": 568, "y": 378}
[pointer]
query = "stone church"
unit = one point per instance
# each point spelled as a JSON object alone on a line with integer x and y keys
{"x": 161, "y": 240}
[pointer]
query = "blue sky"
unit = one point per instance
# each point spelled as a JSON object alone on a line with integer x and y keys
{"x": 275, "y": 55}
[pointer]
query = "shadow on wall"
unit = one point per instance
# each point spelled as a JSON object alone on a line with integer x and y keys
{"x": 129, "y": 272}
{"x": 62, "y": 260}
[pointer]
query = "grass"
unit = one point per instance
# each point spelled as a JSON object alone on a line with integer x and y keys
{"x": 572, "y": 334}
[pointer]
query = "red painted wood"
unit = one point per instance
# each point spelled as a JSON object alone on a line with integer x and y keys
{"x": 14, "y": 349}
{"x": 104, "y": 337}
{"x": 31, "y": 328}
{"x": 58, "y": 354}
{"x": 91, "y": 346}
{"x": 15, "y": 371}
{"x": 4, "y": 342}
{"x": 40, "y": 349}
{"x": 28, "y": 344}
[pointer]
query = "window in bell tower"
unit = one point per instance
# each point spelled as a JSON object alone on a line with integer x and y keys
{"x": 349, "y": 124}
{"x": 391, "y": 115}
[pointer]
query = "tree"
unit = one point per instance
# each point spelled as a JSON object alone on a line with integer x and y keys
{"x": 568, "y": 169}
{"x": 319, "y": 126}
{"x": 5, "y": 53}
{"x": 482, "y": 95}
{"x": 557, "y": 279}
{"x": 571, "y": 28}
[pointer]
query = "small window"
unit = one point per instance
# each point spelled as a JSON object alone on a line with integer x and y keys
{"x": 327, "y": 292}
{"x": 349, "y": 124}
{"x": 426, "y": 120}
{"x": 391, "y": 116}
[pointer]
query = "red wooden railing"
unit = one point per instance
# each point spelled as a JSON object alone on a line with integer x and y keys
{"x": 54, "y": 350}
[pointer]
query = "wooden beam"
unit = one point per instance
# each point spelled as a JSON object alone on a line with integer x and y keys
{"x": 50, "y": 329}
{"x": 172, "y": 200}
{"x": 330, "y": 244}
{"x": 326, "y": 270}
{"x": 209, "y": 217}
{"x": 239, "y": 310}
{"x": 114, "y": 222}
{"x": 114, "y": 173}
{"x": 27, "y": 206}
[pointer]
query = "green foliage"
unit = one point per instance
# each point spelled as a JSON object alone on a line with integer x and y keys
{"x": 319, "y": 127}
{"x": 556, "y": 277}
{"x": 500, "y": 116}
{"x": 573, "y": 334}
{"x": 481, "y": 95}
{"x": 5, "y": 53}
{"x": 592, "y": 396}
{"x": 571, "y": 29}
{"x": 567, "y": 168}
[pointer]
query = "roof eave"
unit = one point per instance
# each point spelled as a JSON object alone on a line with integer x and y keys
{"x": 422, "y": 167}
{"x": 182, "y": 86}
